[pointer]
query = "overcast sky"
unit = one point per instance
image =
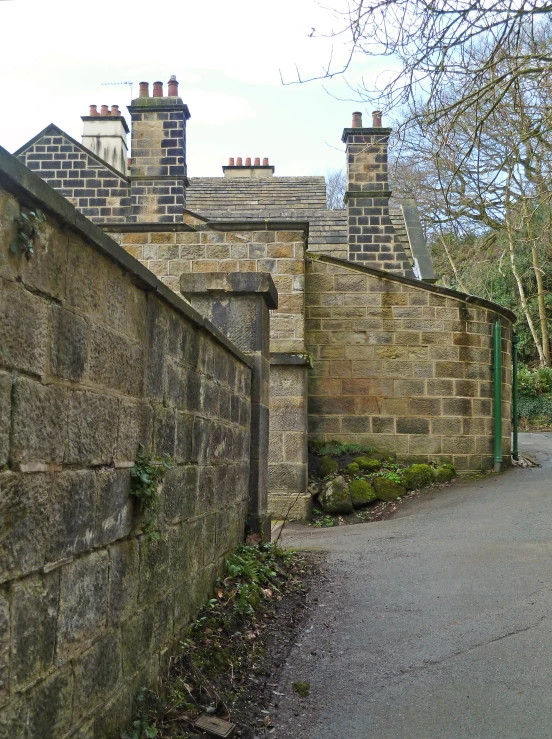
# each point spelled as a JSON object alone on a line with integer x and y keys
{"x": 55, "y": 55}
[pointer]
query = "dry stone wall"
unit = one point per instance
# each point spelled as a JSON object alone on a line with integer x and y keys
{"x": 402, "y": 367}
{"x": 97, "y": 357}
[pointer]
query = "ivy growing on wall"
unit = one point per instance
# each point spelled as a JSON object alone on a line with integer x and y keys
{"x": 146, "y": 475}
{"x": 28, "y": 228}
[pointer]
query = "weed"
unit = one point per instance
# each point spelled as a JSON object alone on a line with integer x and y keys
{"x": 28, "y": 223}
{"x": 146, "y": 475}
{"x": 141, "y": 727}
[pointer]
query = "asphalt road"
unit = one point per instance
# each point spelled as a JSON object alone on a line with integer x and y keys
{"x": 436, "y": 624}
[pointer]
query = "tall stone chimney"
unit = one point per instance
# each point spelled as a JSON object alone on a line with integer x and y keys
{"x": 371, "y": 234}
{"x": 105, "y": 134}
{"x": 158, "y": 163}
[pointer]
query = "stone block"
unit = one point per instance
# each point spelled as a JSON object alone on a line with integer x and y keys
{"x": 184, "y": 438}
{"x": 457, "y": 407}
{"x": 72, "y": 514}
{"x": 164, "y": 431}
{"x": 356, "y": 424}
{"x": 46, "y": 271}
{"x": 83, "y": 603}
{"x": 92, "y": 436}
{"x": 137, "y": 637}
{"x": 86, "y": 279}
{"x": 481, "y": 407}
{"x": 116, "y": 714}
{"x": 472, "y": 354}
{"x": 424, "y": 407}
{"x": 39, "y": 422}
{"x": 424, "y": 444}
{"x": 135, "y": 427}
{"x": 157, "y": 343}
{"x": 458, "y": 445}
{"x": 474, "y": 426}
{"x": 412, "y": 425}
{"x": 124, "y": 560}
{"x": 5, "y": 416}
{"x": 49, "y": 706}
{"x": 13, "y": 717}
{"x": 96, "y": 674}
{"x": 183, "y": 551}
{"x": 407, "y": 388}
{"x": 449, "y": 369}
{"x": 35, "y": 612}
{"x": 69, "y": 344}
{"x": 339, "y": 405}
{"x": 115, "y": 507}
{"x": 289, "y": 507}
{"x": 287, "y": 477}
{"x": 466, "y": 388}
{"x": 295, "y": 447}
{"x": 178, "y": 495}
{"x": 446, "y": 426}
{"x": 154, "y": 568}
{"x": 440, "y": 387}
{"x": 25, "y": 510}
{"x": 116, "y": 363}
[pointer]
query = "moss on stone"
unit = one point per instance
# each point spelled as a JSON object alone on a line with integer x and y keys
{"x": 351, "y": 469}
{"x": 327, "y": 466}
{"x": 446, "y": 473}
{"x": 368, "y": 463}
{"x": 417, "y": 476}
{"x": 334, "y": 496}
{"x": 362, "y": 493}
{"x": 387, "y": 489}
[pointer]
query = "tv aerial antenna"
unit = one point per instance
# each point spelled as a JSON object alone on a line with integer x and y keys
{"x": 120, "y": 84}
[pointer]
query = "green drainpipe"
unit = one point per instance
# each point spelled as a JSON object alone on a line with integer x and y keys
{"x": 497, "y": 397}
{"x": 515, "y": 451}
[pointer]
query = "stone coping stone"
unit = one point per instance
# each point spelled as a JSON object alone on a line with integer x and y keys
{"x": 246, "y": 283}
{"x": 289, "y": 358}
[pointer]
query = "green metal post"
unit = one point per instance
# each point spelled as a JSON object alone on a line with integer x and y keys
{"x": 497, "y": 397}
{"x": 515, "y": 451}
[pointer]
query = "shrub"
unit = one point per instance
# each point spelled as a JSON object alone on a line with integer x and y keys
{"x": 446, "y": 473}
{"x": 536, "y": 406}
{"x": 417, "y": 476}
{"x": 327, "y": 466}
{"x": 362, "y": 493}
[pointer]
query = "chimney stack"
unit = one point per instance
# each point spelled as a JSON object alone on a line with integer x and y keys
{"x": 254, "y": 171}
{"x": 173, "y": 87}
{"x": 106, "y": 135}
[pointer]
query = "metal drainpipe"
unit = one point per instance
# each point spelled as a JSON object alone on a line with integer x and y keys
{"x": 497, "y": 361}
{"x": 515, "y": 451}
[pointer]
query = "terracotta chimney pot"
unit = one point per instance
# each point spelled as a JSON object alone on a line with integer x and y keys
{"x": 173, "y": 87}
{"x": 144, "y": 90}
{"x": 265, "y": 162}
{"x": 248, "y": 162}
{"x": 376, "y": 119}
{"x": 239, "y": 162}
{"x": 357, "y": 120}
{"x": 104, "y": 110}
{"x": 115, "y": 110}
{"x": 257, "y": 162}
{"x": 157, "y": 89}
{"x": 93, "y": 110}
{"x": 231, "y": 162}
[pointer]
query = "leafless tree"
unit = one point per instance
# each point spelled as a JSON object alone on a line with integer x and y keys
{"x": 336, "y": 185}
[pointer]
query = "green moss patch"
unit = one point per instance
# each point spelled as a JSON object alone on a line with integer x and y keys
{"x": 362, "y": 493}
{"x": 417, "y": 476}
{"x": 387, "y": 489}
{"x": 351, "y": 469}
{"x": 327, "y": 466}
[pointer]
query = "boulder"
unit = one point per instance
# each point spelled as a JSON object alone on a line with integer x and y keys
{"x": 387, "y": 489}
{"x": 351, "y": 469}
{"x": 446, "y": 473}
{"x": 362, "y": 493}
{"x": 335, "y": 496}
{"x": 417, "y": 476}
{"x": 313, "y": 489}
{"x": 327, "y": 466}
{"x": 368, "y": 463}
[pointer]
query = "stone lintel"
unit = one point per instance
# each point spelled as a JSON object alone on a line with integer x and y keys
{"x": 290, "y": 358}
{"x": 241, "y": 283}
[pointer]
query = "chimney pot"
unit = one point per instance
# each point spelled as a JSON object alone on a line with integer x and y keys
{"x": 231, "y": 162}
{"x": 248, "y": 162}
{"x": 144, "y": 90}
{"x": 115, "y": 110}
{"x": 257, "y": 162}
{"x": 357, "y": 120}
{"x": 93, "y": 110}
{"x": 104, "y": 110}
{"x": 239, "y": 162}
{"x": 376, "y": 119}
{"x": 158, "y": 89}
{"x": 173, "y": 87}
{"x": 265, "y": 162}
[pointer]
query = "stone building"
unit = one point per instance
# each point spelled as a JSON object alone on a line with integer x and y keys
{"x": 363, "y": 346}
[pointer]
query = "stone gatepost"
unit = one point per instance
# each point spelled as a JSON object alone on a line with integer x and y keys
{"x": 238, "y": 304}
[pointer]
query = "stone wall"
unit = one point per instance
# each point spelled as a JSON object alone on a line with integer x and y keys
{"x": 404, "y": 366}
{"x": 97, "y": 356}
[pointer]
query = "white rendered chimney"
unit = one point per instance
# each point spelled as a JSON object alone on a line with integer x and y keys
{"x": 106, "y": 135}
